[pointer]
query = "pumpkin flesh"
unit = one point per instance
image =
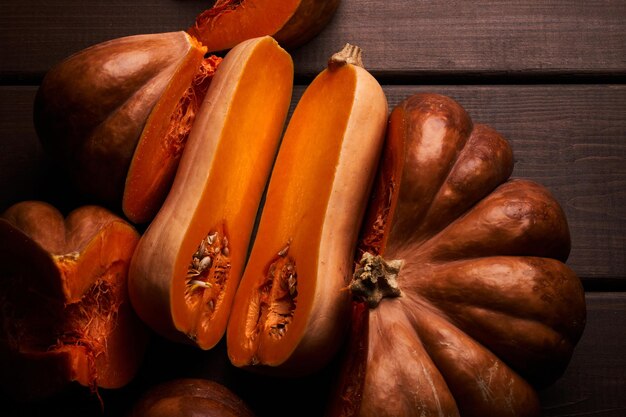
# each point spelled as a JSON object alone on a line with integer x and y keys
{"x": 214, "y": 198}
{"x": 66, "y": 314}
{"x": 288, "y": 307}
{"x": 487, "y": 309}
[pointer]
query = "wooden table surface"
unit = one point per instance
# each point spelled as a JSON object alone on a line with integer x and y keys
{"x": 548, "y": 74}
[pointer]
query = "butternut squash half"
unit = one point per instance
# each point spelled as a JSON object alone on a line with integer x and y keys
{"x": 187, "y": 266}
{"x": 290, "y": 22}
{"x": 290, "y": 310}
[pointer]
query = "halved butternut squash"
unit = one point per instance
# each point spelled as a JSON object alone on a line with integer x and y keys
{"x": 188, "y": 264}
{"x": 290, "y": 22}
{"x": 290, "y": 310}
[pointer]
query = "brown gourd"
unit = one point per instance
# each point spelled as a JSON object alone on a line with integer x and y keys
{"x": 289, "y": 311}
{"x": 290, "y": 22}
{"x": 188, "y": 263}
{"x": 64, "y": 309}
{"x": 462, "y": 301}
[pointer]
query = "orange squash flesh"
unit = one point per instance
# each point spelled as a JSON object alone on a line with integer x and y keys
{"x": 290, "y": 22}
{"x": 288, "y": 308}
{"x": 163, "y": 139}
{"x": 213, "y": 203}
{"x": 65, "y": 309}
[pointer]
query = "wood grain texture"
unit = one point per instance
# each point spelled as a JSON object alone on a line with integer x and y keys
{"x": 483, "y": 37}
{"x": 593, "y": 384}
{"x": 400, "y": 37}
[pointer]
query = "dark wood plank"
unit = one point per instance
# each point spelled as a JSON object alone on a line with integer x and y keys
{"x": 36, "y": 34}
{"x": 594, "y": 384}
{"x": 572, "y": 139}
{"x": 483, "y": 37}
{"x": 25, "y": 172}
{"x": 400, "y": 37}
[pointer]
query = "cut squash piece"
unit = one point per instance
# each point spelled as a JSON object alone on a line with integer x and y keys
{"x": 92, "y": 108}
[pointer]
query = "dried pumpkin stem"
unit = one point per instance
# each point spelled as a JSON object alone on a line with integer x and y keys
{"x": 375, "y": 279}
{"x": 350, "y": 54}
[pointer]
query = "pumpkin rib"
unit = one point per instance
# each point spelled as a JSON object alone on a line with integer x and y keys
{"x": 538, "y": 325}
{"x": 474, "y": 375}
{"x": 493, "y": 152}
{"x": 393, "y": 344}
{"x": 442, "y": 128}
{"x": 530, "y": 224}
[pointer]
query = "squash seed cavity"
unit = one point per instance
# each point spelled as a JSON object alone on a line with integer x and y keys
{"x": 272, "y": 309}
{"x": 208, "y": 271}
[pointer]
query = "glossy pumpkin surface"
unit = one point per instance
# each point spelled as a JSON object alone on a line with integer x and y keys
{"x": 463, "y": 302}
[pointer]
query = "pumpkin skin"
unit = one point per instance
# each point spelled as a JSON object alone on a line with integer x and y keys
{"x": 482, "y": 308}
{"x": 190, "y": 398}
{"x": 65, "y": 314}
{"x": 290, "y": 22}
{"x": 92, "y": 109}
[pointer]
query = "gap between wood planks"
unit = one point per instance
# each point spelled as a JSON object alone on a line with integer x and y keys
{"x": 426, "y": 77}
